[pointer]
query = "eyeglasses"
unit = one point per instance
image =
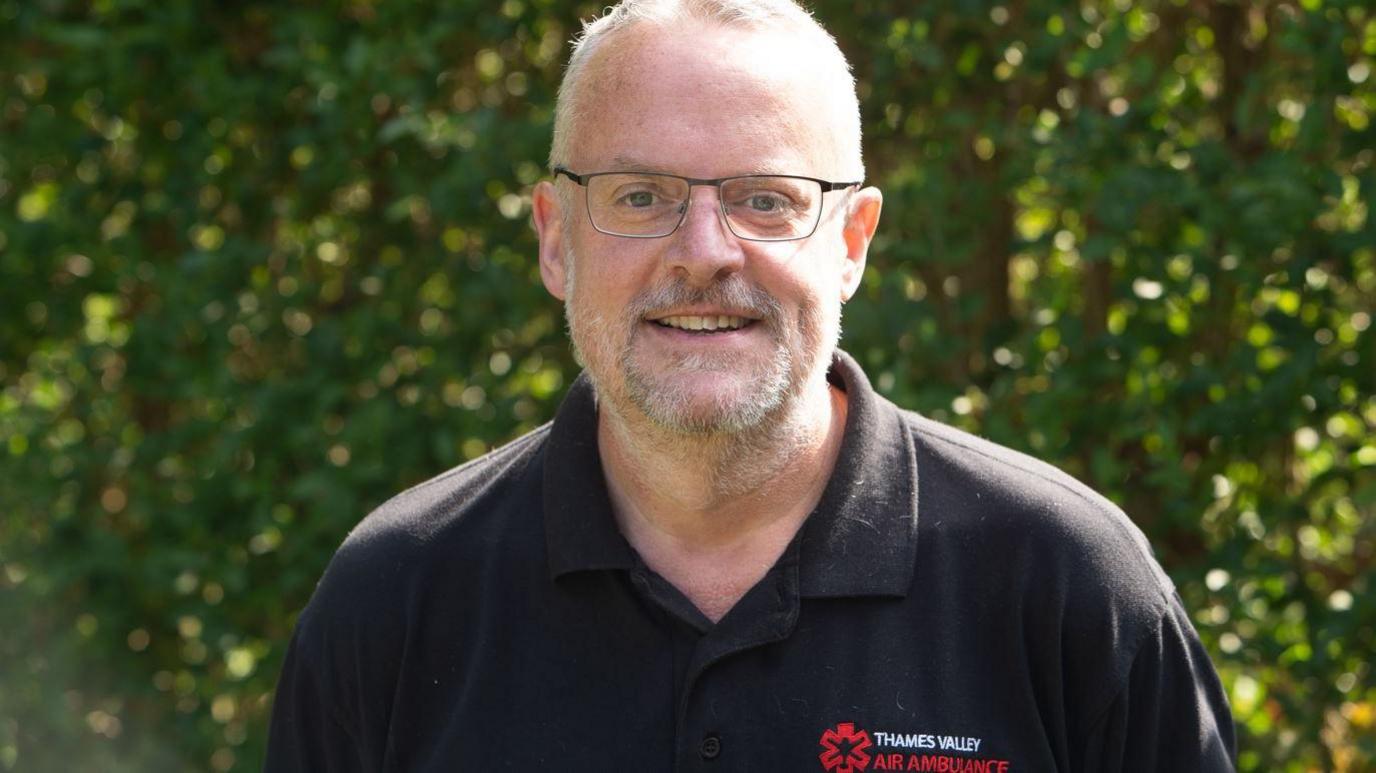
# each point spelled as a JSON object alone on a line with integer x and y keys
{"x": 758, "y": 207}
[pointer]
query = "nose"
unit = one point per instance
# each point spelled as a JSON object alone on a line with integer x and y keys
{"x": 703, "y": 249}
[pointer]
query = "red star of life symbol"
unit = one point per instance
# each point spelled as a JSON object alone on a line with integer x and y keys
{"x": 845, "y": 735}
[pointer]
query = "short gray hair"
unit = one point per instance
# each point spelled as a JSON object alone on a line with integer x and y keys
{"x": 784, "y": 15}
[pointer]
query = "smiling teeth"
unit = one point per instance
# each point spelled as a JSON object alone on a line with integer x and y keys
{"x": 704, "y": 323}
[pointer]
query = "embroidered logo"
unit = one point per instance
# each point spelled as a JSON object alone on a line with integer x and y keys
{"x": 843, "y": 749}
{"x": 848, "y": 749}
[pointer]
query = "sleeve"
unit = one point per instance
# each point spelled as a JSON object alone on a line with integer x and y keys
{"x": 307, "y": 732}
{"x": 1171, "y": 713}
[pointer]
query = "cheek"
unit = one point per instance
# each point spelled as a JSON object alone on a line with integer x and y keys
{"x": 818, "y": 282}
{"x": 819, "y": 306}
{"x": 596, "y": 305}
{"x": 605, "y": 267}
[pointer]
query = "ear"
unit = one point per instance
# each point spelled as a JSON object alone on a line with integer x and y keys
{"x": 858, "y": 231}
{"x": 547, "y": 216}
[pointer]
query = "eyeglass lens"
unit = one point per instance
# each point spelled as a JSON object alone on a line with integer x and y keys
{"x": 758, "y": 207}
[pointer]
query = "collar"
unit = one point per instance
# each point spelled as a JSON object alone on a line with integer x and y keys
{"x": 860, "y": 540}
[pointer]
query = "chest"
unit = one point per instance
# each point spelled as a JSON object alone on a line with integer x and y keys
{"x": 836, "y": 685}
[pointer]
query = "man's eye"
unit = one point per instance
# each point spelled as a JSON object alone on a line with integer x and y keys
{"x": 638, "y": 199}
{"x": 766, "y": 202}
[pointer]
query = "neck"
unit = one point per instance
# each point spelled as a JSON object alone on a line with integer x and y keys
{"x": 712, "y": 513}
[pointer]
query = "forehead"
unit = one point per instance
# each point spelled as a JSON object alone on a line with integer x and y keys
{"x": 707, "y": 101}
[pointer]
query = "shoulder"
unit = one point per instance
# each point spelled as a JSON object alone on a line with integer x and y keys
{"x": 435, "y": 526}
{"x": 1051, "y": 543}
{"x": 1028, "y": 499}
{"x": 1031, "y": 542}
{"x": 460, "y": 496}
{"x": 430, "y": 547}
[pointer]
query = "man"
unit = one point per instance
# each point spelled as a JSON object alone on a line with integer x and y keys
{"x": 727, "y": 552}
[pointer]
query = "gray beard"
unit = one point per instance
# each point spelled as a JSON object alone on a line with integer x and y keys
{"x": 778, "y": 382}
{"x": 670, "y": 408}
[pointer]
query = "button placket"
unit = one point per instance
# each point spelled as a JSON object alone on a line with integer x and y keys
{"x": 766, "y": 614}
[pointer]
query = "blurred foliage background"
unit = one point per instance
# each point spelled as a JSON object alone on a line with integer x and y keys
{"x": 265, "y": 264}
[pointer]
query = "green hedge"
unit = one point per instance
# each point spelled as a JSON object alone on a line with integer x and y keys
{"x": 265, "y": 264}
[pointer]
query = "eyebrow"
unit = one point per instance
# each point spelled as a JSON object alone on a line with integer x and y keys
{"x": 631, "y": 164}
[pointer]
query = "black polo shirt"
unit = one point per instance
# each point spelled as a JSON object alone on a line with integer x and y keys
{"x": 950, "y": 605}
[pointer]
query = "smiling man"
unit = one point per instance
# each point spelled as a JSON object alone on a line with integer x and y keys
{"x": 727, "y": 552}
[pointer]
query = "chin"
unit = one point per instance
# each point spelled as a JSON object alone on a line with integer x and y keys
{"x": 712, "y": 401}
{"x": 692, "y": 415}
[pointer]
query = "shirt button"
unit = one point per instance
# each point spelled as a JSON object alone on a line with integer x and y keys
{"x": 710, "y": 747}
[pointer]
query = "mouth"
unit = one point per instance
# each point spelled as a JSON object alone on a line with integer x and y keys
{"x": 704, "y": 324}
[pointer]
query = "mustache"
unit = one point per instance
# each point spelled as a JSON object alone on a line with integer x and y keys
{"x": 733, "y": 293}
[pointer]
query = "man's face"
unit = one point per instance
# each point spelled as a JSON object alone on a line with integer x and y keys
{"x": 706, "y": 102}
